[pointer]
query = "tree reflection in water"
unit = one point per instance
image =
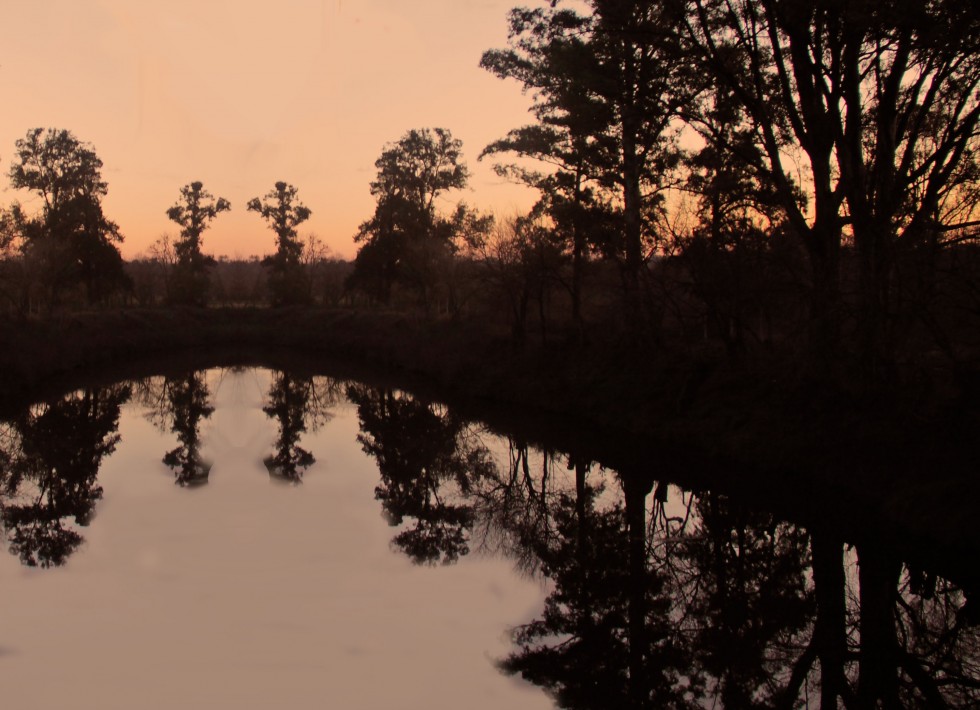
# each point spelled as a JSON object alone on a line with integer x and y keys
{"x": 732, "y": 617}
{"x": 297, "y": 404}
{"x": 661, "y": 598}
{"x": 514, "y": 508}
{"x": 657, "y": 597}
{"x": 50, "y": 457}
{"x": 748, "y": 600}
{"x": 179, "y": 404}
{"x": 427, "y": 467}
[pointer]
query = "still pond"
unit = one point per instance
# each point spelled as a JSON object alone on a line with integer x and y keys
{"x": 255, "y": 538}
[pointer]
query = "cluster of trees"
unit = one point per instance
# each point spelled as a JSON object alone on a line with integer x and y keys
{"x": 188, "y": 280}
{"x": 764, "y": 169}
{"x": 752, "y": 171}
{"x": 67, "y": 252}
{"x": 181, "y": 404}
{"x": 51, "y": 453}
{"x": 457, "y": 260}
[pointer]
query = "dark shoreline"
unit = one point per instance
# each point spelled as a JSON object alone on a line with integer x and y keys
{"x": 903, "y": 460}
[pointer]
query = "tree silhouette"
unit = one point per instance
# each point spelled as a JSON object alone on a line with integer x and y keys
{"x": 881, "y": 103}
{"x": 194, "y": 211}
{"x": 938, "y": 646}
{"x": 739, "y": 236}
{"x": 58, "y": 167}
{"x": 70, "y": 242}
{"x": 288, "y": 281}
{"x": 721, "y": 605}
{"x": 654, "y": 611}
{"x": 606, "y": 94}
{"x": 407, "y": 239}
{"x": 586, "y": 666}
{"x": 519, "y": 262}
{"x": 513, "y": 505}
{"x": 50, "y": 458}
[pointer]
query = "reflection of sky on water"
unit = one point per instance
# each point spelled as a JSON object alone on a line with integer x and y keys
{"x": 246, "y": 594}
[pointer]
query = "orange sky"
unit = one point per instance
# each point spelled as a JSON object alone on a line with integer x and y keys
{"x": 242, "y": 93}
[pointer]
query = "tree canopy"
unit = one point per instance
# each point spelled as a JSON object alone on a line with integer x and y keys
{"x": 57, "y": 166}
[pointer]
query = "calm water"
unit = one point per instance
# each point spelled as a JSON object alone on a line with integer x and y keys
{"x": 248, "y": 538}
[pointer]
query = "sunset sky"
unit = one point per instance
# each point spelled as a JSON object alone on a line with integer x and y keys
{"x": 242, "y": 93}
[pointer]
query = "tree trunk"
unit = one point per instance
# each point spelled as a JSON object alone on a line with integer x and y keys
{"x": 875, "y": 360}
{"x": 636, "y": 488}
{"x": 829, "y": 628}
{"x": 632, "y": 223}
{"x": 879, "y": 577}
{"x": 632, "y": 196}
{"x": 824, "y": 336}
{"x": 578, "y": 259}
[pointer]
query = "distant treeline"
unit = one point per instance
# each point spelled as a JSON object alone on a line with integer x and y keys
{"x": 235, "y": 282}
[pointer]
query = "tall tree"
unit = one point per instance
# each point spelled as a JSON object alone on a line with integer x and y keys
{"x": 70, "y": 243}
{"x": 608, "y": 635}
{"x": 605, "y": 98}
{"x": 879, "y": 102}
{"x": 194, "y": 212}
{"x": 288, "y": 282}
{"x": 566, "y": 137}
{"x": 407, "y": 238}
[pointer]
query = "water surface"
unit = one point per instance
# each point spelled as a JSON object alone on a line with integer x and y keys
{"x": 249, "y": 537}
{"x": 242, "y": 592}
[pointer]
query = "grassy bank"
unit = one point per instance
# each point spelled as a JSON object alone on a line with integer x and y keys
{"x": 904, "y": 456}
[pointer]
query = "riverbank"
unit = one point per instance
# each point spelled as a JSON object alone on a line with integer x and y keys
{"x": 905, "y": 456}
